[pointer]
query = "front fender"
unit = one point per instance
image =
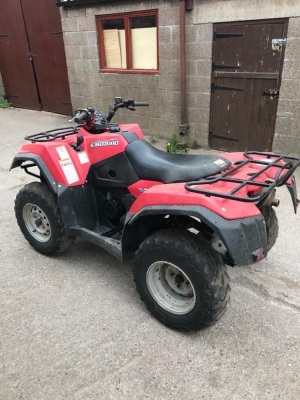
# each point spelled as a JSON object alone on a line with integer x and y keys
{"x": 244, "y": 238}
{"x": 38, "y": 161}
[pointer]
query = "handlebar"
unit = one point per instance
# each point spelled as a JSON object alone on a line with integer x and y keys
{"x": 129, "y": 104}
{"x": 85, "y": 115}
{"x": 141, "y": 104}
{"x": 81, "y": 116}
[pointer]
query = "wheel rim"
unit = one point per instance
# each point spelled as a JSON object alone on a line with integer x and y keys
{"x": 37, "y": 222}
{"x": 171, "y": 288}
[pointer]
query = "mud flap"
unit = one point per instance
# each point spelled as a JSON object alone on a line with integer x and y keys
{"x": 245, "y": 240}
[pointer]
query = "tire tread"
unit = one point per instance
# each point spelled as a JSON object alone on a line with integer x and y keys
{"x": 207, "y": 266}
{"x": 272, "y": 226}
{"x": 43, "y": 194}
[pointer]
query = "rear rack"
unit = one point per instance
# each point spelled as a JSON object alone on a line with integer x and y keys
{"x": 281, "y": 162}
{"x": 48, "y": 136}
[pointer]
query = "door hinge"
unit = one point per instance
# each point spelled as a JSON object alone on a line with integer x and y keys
{"x": 224, "y": 66}
{"x": 219, "y": 35}
{"x": 3, "y": 34}
{"x": 10, "y": 96}
{"x": 211, "y": 135}
{"x": 218, "y": 87}
{"x": 57, "y": 33}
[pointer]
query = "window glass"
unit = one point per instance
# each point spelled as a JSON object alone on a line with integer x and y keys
{"x": 113, "y": 23}
{"x": 143, "y": 22}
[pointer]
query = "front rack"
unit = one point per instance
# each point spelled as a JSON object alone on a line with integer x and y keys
{"x": 48, "y": 136}
{"x": 281, "y": 162}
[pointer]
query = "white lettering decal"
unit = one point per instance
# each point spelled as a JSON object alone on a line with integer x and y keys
{"x": 103, "y": 143}
{"x": 62, "y": 152}
{"x": 69, "y": 170}
{"x": 83, "y": 158}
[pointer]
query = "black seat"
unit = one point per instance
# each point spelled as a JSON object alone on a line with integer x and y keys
{"x": 156, "y": 165}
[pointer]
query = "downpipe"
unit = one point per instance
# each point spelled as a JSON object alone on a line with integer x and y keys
{"x": 184, "y": 126}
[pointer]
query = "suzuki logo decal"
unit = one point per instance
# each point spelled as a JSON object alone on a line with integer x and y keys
{"x": 103, "y": 143}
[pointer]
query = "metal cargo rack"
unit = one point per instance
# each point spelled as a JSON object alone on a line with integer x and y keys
{"x": 284, "y": 163}
{"x": 48, "y": 136}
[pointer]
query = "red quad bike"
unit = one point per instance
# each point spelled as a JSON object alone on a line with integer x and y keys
{"x": 187, "y": 216}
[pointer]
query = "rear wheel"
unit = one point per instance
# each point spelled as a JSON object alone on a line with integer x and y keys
{"x": 182, "y": 280}
{"x": 40, "y": 220}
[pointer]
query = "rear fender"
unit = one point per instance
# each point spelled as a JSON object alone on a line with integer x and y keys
{"x": 19, "y": 159}
{"x": 244, "y": 238}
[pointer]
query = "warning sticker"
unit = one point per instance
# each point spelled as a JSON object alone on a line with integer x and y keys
{"x": 69, "y": 170}
{"x": 62, "y": 152}
{"x": 220, "y": 163}
{"x": 83, "y": 158}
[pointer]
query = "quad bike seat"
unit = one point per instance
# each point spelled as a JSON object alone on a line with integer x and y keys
{"x": 156, "y": 165}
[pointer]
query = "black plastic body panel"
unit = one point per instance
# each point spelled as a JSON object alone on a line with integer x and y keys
{"x": 129, "y": 136}
{"x": 111, "y": 245}
{"x": 78, "y": 206}
{"x": 20, "y": 158}
{"x": 242, "y": 237}
{"x": 115, "y": 172}
{"x": 80, "y": 216}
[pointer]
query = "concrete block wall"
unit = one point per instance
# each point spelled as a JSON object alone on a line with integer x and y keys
{"x": 162, "y": 118}
{"x": 89, "y": 87}
{"x": 199, "y": 58}
{"x": 287, "y": 130}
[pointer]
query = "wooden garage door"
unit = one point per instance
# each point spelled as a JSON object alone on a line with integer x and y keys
{"x": 32, "y": 56}
{"x": 246, "y": 76}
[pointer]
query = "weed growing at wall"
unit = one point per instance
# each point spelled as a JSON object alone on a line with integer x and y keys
{"x": 173, "y": 146}
{"x": 4, "y": 103}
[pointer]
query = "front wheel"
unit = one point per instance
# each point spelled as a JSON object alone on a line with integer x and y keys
{"x": 182, "y": 280}
{"x": 39, "y": 218}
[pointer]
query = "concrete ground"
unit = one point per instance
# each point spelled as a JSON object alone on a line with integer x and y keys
{"x": 73, "y": 327}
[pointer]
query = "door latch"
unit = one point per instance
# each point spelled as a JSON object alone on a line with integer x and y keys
{"x": 271, "y": 93}
{"x": 278, "y": 43}
{"x": 31, "y": 55}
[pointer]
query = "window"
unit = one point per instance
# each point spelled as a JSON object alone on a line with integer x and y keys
{"x": 128, "y": 42}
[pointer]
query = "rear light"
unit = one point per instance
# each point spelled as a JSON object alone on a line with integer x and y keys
{"x": 258, "y": 254}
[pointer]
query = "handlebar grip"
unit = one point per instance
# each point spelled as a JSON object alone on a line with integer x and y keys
{"x": 81, "y": 116}
{"x": 141, "y": 104}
